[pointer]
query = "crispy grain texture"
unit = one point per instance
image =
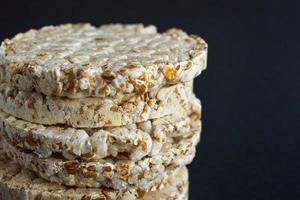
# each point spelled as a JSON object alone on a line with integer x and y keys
{"x": 80, "y": 60}
{"x": 18, "y": 183}
{"x": 117, "y": 173}
{"x": 95, "y": 112}
{"x": 136, "y": 140}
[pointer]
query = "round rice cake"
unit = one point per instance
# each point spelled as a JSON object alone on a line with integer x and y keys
{"x": 17, "y": 183}
{"x": 80, "y": 60}
{"x": 147, "y": 138}
{"x": 117, "y": 173}
{"x": 95, "y": 112}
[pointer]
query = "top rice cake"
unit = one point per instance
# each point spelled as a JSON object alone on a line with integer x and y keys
{"x": 80, "y": 60}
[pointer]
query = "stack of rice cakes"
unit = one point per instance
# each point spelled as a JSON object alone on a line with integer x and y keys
{"x": 94, "y": 113}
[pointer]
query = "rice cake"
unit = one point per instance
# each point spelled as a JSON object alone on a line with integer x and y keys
{"x": 17, "y": 183}
{"x": 116, "y": 173}
{"x": 80, "y": 60}
{"x": 95, "y": 112}
{"x": 136, "y": 140}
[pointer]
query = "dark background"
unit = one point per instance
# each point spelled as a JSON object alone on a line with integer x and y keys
{"x": 250, "y": 91}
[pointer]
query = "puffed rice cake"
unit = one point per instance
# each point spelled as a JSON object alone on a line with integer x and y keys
{"x": 147, "y": 138}
{"x": 95, "y": 112}
{"x": 99, "y": 113}
{"x": 80, "y": 60}
{"x": 117, "y": 173}
{"x": 17, "y": 183}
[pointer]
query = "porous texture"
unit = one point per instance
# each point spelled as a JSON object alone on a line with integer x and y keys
{"x": 95, "y": 112}
{"x": 80, "y": 60}
{"x": 174, "y": 188}
{"x": 17, "y": 183}
{"x": 117, "y": 173}
{"x": 147, "y": 138}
